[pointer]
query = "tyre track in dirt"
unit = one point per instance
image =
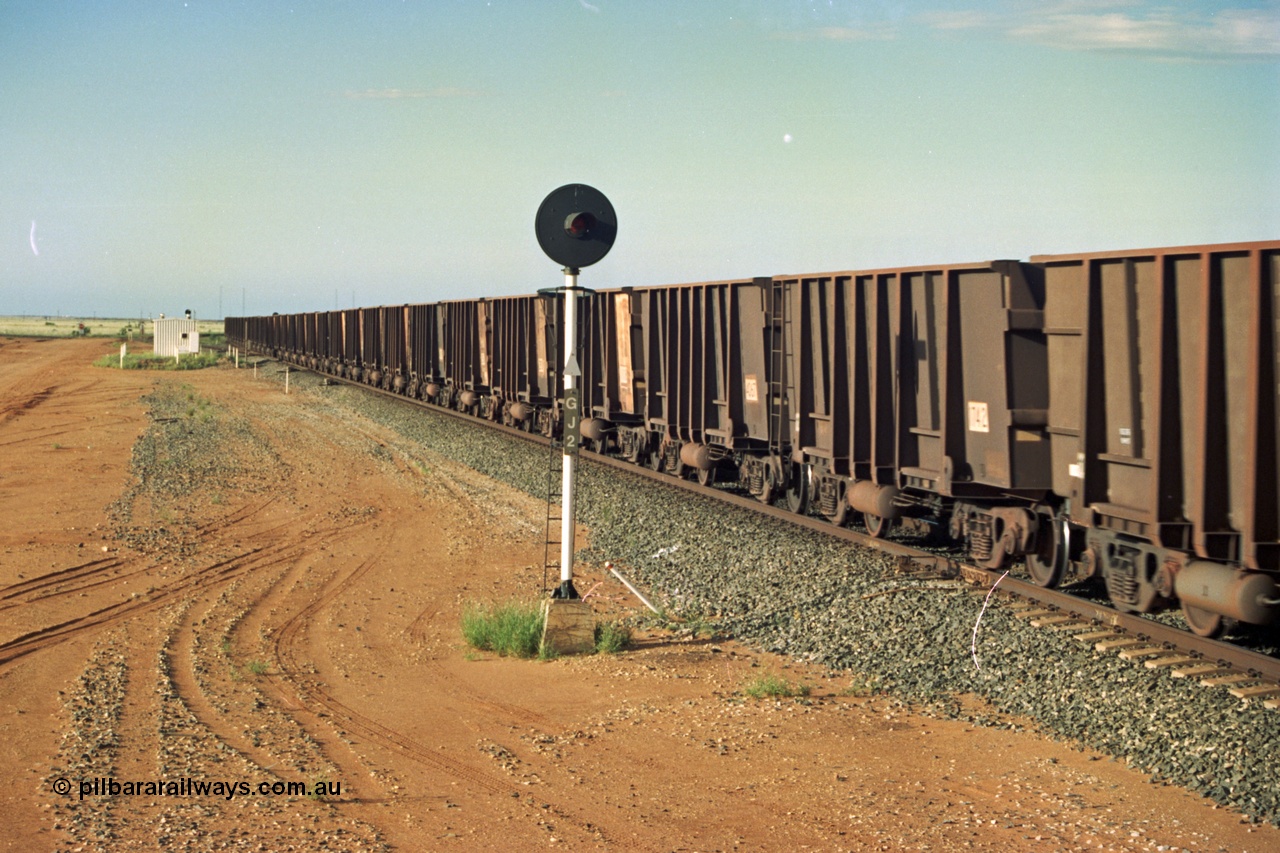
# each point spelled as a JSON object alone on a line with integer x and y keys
{"x": 417, "y": 634}
{"x": 221, "y": 571}
{"x": 85, "y": 576}
{"x": 226, "y": 702}
{"x": 313, "y": 690}
{"x": 54, "y": 392}
{"x": 224, "y": 613}
{"x": 15, "y": 408}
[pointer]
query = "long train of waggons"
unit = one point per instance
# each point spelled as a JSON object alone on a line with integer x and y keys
{"x": 1105, "y": 415}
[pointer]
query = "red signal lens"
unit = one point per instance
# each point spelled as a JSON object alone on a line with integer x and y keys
{"x": 578, "y": 225}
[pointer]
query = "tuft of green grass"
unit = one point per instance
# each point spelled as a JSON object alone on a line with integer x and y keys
{"x": 149, "y": 361}
{"x": 257, "y": 667}
{"x": 773, "y": 686}
{"x": 513, "y": 629}
{"x": 612, "y": 637}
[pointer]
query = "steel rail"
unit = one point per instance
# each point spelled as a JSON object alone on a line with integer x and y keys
{"x": 1261, "y": 666}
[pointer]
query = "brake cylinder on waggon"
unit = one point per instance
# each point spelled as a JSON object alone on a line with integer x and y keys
{"x": 866, "y": 496}
{"x": 595, "y": 428}
{"x": 697, "y": 456}
{"x": 1246, "y": 596}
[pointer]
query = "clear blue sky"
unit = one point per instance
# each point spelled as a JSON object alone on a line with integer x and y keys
{"x": 289, "y": 155}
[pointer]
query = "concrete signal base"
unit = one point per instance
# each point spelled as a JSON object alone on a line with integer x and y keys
{"x": 569, "y": 626}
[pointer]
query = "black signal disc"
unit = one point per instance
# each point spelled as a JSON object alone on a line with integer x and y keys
{"x": 576, "y": 225}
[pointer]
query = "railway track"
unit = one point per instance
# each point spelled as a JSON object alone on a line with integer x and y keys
{"x": 1249, "y": 675}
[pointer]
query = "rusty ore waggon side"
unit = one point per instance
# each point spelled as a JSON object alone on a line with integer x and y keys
{"x": 1109, "y": 415}
{"x": 1163, "y": 427}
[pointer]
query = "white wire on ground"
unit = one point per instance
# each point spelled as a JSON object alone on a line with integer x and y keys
{"x": 974, "y": 647}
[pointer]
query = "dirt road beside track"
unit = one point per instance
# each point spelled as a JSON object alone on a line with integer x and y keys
{"x": 203, "y": 581}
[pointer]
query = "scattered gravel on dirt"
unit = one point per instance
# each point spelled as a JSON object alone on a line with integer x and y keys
{"x": 786, "y": 590}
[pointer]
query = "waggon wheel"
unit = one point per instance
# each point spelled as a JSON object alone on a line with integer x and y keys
{"x": 1206, "y": 623}
{"x": 706, "y": 477}
{"x": 798, "y": 490}
{"x": 841, "y": 515}
{"x": 655, "y": 459}
{"x": 877, "y": 525}
{"x": 1046, "y": 562}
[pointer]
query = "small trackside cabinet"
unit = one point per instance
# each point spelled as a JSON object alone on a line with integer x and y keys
{"x": 972, "y": 374}
{"x": 1163, "y": 407}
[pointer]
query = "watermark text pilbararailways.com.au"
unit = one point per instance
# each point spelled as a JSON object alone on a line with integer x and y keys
{"x": 228, "y": 789}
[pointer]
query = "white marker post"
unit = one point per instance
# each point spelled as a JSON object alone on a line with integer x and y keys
{"x": 572, "y": 423}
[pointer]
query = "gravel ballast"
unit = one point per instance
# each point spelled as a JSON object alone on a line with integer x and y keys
{"x": 820, "y": 600}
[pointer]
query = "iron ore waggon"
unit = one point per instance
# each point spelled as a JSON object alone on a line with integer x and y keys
{"x": 1108, "y": 415}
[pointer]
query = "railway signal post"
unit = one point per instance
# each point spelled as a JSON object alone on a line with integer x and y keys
{"x": 575, "y": 226}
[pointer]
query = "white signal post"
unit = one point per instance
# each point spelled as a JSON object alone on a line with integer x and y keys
{"x": 575, "y": 226}
{"x": 572, "y": 423}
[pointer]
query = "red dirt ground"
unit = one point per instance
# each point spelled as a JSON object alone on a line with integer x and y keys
{"x": 309, "y": 632}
